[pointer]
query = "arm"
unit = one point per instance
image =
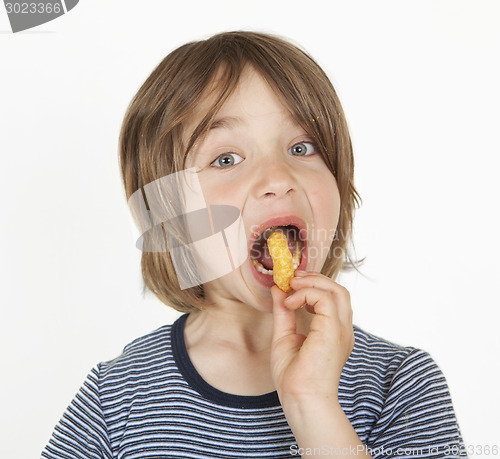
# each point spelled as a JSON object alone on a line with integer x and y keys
{"x": 323, "y": 430}
{"x": 418, "y": 418}
{"x": 306, "y": 370}
{"x": 81, "y": 433}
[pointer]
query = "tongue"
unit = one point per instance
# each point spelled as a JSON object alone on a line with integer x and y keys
{"x": 265, "y": 258}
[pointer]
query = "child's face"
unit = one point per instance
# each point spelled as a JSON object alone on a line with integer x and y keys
{"x": 260, "y": 161}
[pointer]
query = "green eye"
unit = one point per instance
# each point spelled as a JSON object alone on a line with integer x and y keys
{"x": 303, "y": 149}
{"x": 227, "y": 160}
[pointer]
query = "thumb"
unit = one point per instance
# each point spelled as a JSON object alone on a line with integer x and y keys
{"x": 284, "y": 318}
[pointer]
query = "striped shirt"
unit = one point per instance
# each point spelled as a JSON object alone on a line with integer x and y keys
{"x": 150, "y": 402}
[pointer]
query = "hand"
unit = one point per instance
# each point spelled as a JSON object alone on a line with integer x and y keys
{"x": 306, "y": 368}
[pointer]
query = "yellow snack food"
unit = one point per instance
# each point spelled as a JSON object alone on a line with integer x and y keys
{"x": 282, "y": 260}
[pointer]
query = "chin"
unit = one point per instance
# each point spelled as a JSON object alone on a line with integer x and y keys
{"x": 240, "y": 287}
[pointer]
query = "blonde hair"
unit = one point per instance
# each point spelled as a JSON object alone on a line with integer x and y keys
{"x": 151, "y": 139}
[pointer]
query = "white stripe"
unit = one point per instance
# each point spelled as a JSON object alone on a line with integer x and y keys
{"x": 394, "y": 397}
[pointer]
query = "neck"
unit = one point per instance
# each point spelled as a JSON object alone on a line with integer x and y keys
{"x": 231, "y": 334}
{"x": 238, "y": 325}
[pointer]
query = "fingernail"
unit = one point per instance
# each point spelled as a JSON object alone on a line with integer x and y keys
{"x": 287, "y": 298}
{"x": 300, "y": 273}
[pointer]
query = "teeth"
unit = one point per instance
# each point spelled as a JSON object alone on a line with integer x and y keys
{"x": 296, "y": 256}
{"x": 261, "y": 269}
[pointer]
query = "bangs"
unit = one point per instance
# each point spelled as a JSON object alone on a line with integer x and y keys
{"x": 300, "y": 88}
{"x": 161, "y": 128}
{"x": 221, "y": 84}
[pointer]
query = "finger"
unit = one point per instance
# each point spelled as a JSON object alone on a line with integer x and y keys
{"x": 325, "y": 326}
{"x": 284, "y": 318}
{"x": 300, "y": 273}
{"x": 314, "y": 280}
{"x": 340, "y": 294}
{"x": 320, "y": 300}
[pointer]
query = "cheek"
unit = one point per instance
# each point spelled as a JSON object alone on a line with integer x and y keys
{"x": 221, "y": 192}
{"x": 327, "y": 210}
{"x": 327, "y": 196}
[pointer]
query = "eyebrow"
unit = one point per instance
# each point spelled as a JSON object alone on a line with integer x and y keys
{"x": 225, "y": 122}
{"x": 230, "y": 122}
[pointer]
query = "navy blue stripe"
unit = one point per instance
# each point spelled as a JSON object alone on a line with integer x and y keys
{"x": 199, "y": 384}
{"x": 150, "y": 402}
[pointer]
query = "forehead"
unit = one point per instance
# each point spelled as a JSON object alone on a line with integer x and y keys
{"x": 252, "y": 97}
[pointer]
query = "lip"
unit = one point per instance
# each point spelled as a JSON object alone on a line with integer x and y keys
{"x": 266, "y": 279}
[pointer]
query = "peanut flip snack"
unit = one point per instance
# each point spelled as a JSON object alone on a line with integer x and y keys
{"x": 282, "y": 260}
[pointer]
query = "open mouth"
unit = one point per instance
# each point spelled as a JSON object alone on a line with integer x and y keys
{"x": 260, "y": 256}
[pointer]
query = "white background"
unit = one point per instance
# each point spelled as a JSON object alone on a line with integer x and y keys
{"x": 419, "y": 85}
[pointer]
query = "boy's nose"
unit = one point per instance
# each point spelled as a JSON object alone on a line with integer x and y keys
{"x": 274, "y": 180}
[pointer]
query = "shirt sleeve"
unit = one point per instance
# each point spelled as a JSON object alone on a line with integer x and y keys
{"x": 81, "y": 433}
{"x": 418, "y": 419}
